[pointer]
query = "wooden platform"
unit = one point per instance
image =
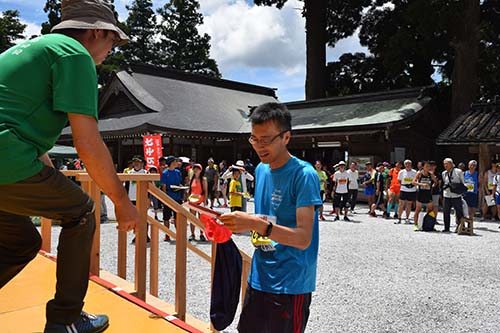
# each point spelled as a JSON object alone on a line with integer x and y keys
{"x": 22, "y": 304}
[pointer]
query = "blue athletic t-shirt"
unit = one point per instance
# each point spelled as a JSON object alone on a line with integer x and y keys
{"x": 172, "y": 177}
{"x": 279, "y": 192}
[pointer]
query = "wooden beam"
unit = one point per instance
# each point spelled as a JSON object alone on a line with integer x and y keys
{"x": 142, "y": 203}
{"x": 124, "y": 177}
{"x": 180, "y": 266}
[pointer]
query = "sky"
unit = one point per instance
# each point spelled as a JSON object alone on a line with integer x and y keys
{"x": 252, "y": 44}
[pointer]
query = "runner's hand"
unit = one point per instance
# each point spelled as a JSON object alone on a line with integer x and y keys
{"x": 127, "y": 216}
{"x": 238, "y": 222}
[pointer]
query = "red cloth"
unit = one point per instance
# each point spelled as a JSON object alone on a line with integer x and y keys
{"x": 215, "y": 231}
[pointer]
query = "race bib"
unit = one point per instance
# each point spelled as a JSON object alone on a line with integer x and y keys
{"x": 261, "y": 242}
{"x": 470, "y": 187}
{"x": 342, "y": 181}
{"x": 407, "y": 180}
{"x": 490, "y": 186}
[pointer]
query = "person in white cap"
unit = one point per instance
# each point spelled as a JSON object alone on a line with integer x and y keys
{"x": 244, "y": 177}
{"x": 44, "y": 83}
{"x": 341, "y": 191}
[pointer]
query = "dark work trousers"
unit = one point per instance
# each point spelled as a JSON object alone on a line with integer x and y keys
{"x": 353, "y": 196}
{"x": 456, "y": 203}
{"x": 49, "y": 194}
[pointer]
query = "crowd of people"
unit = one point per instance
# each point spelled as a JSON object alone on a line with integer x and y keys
{"x": 216, "y": 185}
{"x": 399, "y": 188}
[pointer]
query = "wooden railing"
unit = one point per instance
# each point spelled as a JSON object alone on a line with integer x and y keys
{"x": 145, "y": 185}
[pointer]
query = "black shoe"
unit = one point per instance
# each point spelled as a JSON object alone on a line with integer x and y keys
{"x": 346, "y": 219}
{"x": 202, "y": 238}
{"x": 337, "y": 218}
{"x": 446, "y": 230}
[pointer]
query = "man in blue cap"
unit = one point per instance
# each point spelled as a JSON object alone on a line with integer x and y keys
{"x": 283, "y": 273}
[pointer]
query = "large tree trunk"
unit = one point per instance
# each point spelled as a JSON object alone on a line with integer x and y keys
{"x": 315, "y": 14}
{"x": 465, "y": 82}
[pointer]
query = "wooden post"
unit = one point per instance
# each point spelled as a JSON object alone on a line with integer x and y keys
{"x": 122, "y": 254}
{"x": 46, "y": 234}
{"x": 142, "y": 203}
{"x": 95, "y": 194}
{"x": 244, "y": 279}
{"x": 153, "y": 261}
{"x": 180, "y": 266}
{"x": 484, "y": 165}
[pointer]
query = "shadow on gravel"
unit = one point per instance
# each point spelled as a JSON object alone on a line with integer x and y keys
{"x": 487, "y": 229}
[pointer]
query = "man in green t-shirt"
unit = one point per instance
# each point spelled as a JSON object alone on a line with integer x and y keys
{"x": 44, "y": 83}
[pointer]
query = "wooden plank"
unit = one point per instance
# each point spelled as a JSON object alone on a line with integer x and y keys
{"x": 122, "y": 254}
{"x": 95, "y": 262}
{"x": 142, "y": 203}
{"x": 180, "y": 266}
{"x": 153, "y": 261}
{"x": 46, "y": 234}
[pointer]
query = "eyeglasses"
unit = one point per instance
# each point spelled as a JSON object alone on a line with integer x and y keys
{"x": 265, "y": 141}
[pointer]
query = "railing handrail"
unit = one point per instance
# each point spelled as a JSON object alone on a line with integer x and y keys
{"x": 145, "y": 185}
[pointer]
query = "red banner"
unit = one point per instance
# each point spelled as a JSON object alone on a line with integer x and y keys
{"x": 152, "y": 150}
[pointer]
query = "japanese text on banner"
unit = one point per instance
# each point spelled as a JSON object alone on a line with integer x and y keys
{"x": 152, "y": 150}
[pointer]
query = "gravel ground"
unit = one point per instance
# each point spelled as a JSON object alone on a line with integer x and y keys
{"x": 373, "y": 276}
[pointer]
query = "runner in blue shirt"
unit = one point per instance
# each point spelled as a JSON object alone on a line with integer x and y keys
{"x": 283, "y": 273}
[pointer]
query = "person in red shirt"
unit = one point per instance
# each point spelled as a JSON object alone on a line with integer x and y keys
{"x": 394, "y": 189}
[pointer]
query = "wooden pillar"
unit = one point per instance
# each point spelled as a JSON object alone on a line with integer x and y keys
{"x": 180, "y": 266}
{"x": 46, "y": 234}
{"x": 153, "y": 261}
{"x": 484, "y": 164}
{"x": 141, "y": 240}
{"x": 122, "y": 254}
{"x": 95, "y": 194}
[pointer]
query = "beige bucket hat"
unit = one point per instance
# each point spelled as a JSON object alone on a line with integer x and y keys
{"x": 89, "y": 14}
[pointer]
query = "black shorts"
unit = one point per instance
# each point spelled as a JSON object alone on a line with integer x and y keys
{"x": 340, "y": 200}
{"x": 321, "y": 194}
{"x": 276, "y": 313}
{"x": 407, "y": 196}
{"x": 210, "y": 187}
{"x": 379, "y": 199}
{"x": 424, "y": 196}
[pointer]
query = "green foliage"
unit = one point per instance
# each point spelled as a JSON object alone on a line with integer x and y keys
{"x": 11, "y": 29}
{"x": 181, "y": 46}
{"x": 411, "y": 39}
{"x": 141, "y": 28}
{"x": 53, "y": 10}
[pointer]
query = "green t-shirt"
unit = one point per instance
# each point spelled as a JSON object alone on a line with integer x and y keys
{"x": 41, "y": 81}
{"x": 322, "y": 179}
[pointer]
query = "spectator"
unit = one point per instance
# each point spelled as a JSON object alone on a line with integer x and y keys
{"x": 235, "y": 191}
{"x": 171, "y": 177}
{"x": 341, "y": 191}
{"x": 212, "y": 175}
{"x": 222, "y": 185}
{"x": 353, "y": 185}
{"x": 379, "y": 192}
{"x": 408, "y": 194}
{"x": 488, "y": 177}
{"x": 394, "y": 190}
{"x": 245, "y": 176}
{"x": 197, "y": 194}
{"x": 471, "y": 180}
{"x": 322, "y": 182}
{"x": 451, "y": 199}
{"x": 368, "y": 182}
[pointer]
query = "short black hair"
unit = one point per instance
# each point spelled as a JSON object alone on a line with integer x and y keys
{"x": 275, "y": 112}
